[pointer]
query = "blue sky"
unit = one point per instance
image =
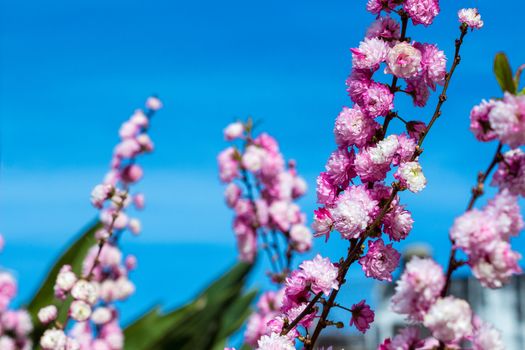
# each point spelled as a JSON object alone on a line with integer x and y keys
{"x": 72, "y": 72}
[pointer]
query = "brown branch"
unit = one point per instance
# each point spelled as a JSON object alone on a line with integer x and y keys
{"x": 477, "y": 191}
{"x": 443, "y": 95}
{"x": 350, "y": 258}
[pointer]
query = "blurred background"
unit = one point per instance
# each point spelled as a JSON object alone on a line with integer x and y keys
{"x": 72, "y": 72}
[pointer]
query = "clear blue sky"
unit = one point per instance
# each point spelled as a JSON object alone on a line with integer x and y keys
{"x": 71, "y": 72}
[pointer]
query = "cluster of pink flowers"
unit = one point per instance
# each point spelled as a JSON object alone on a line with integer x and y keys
{"x": 419, "y": 295}
{"x": 485, "y": 234}
{"x": 15, "y": 325}
{"x": 355, "y": 198}
{"x": 482, "y": 234}
{"x": 277, "y": 310}
{"x": 500, "y": 119}
{"x": 104, "y": 278}
{"x": 262, "y": 190}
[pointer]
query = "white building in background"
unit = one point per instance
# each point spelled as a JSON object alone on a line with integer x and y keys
{"x": 504, "y": 307}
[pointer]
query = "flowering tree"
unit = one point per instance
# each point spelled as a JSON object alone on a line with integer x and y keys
{"x": 357, "y": 202}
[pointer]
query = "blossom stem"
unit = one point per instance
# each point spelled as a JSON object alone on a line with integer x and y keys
{"x": 103, "y": 241}
{"x": 477, "y": 192}
{"x": 443, "y": 95}
{"x": 307, "y": 310}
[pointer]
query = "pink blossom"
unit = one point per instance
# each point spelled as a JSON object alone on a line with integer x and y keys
{"x": 295, "y": 285}
{"x": 340, "y": 167}
{"x": 228, "y": 165}
{"x": 385, "y": 28}
{"x": 293, "y": 313}
{"x": 301, "y": 237}
{"x": 405, "y": 149}
{"x": 376, "y": 6}
{"x": 247, "y": 245}
{"x": 284, "y": 214}
{"x": 232, "y": 194}
{"x": 257, "y": 327}
{"x": 418, "y": 288}
{"x": 253, "y": 158}
{"x": 510, "y": 174}
{"x": 352, "y": 127}
{"x": 380, "y": 260}
{"x": 367, "y": 169}
{"x": 358, "y": 83}
{"x": 422, "y": 11}
{"x": 128, "y": 130}
{"x": 100, "y": 194}
{"x": 131, "y": 262}
{"x": 323, "y": 222}
{"x": 416, "y": 129}
{"x": 362, "y": 316}
{"x": 486, "y": 337}
{"x": 377, "y": 100}
{"x": 321, "y": 273}
{"x": 139, "y": 118}
{"x": 408, "y": 338}
{"x": 419, "y": 91}
{"x": 128, "y": 148}
{"x": 354, "y": 211}
{"x": 267, "y": 142}
{"x": 433, "y": 64}
{"x": 471, "y": 18}
{"x": 47, "y": 314}
{"x": 404, "y": 60}
{"x": 326, "y": 190}
{"x": 233, "y": 131}
{"x": 132, "y": 173}
{"x": 8, "y": 289}
{"x": 145, "y": 142}
{"x": 153, "y": 103}
{"x": 397, "y": 223}
{"x": 139, "y": 201}
{"x": 370, "y": 54}
{"x": 505, "y": 210}
{"x": 275, "y": 341}
{"x": 449, "y": 319}
{"x": 410, "y": 175}
{"x": 497, "y": 266}
{"x": 507, "y": 119}
{"x": 473, "y": 231}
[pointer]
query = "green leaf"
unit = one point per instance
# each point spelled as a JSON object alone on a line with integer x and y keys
{"x": 204, "y": 323}
{"x": 73, "y": 255}
{"x": 504, "y": 73}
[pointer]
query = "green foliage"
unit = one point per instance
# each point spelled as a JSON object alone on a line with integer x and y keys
{"x": 204, "y": 323}
{"x": 504, "y": 74}
{"x": 73, "y": 255}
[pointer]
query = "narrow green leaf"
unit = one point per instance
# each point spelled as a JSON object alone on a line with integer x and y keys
{"x": 503, "y": 73}
{"x": 199, "y": 324}
{"x": 73, "y": 255}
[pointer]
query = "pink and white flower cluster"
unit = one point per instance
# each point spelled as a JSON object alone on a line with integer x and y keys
{"x": 262, "y": 190}
{"x": 419, "y": 295}
{"x": 277, "y": 310}
{"x": 503, "y": 120}
{"x": 15, "y": 324}
{"x": 104, "y": 278}
{"x": 484, "y": 235}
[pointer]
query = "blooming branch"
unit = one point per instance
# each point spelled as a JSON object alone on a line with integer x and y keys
{"x": 104, "y": 280}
